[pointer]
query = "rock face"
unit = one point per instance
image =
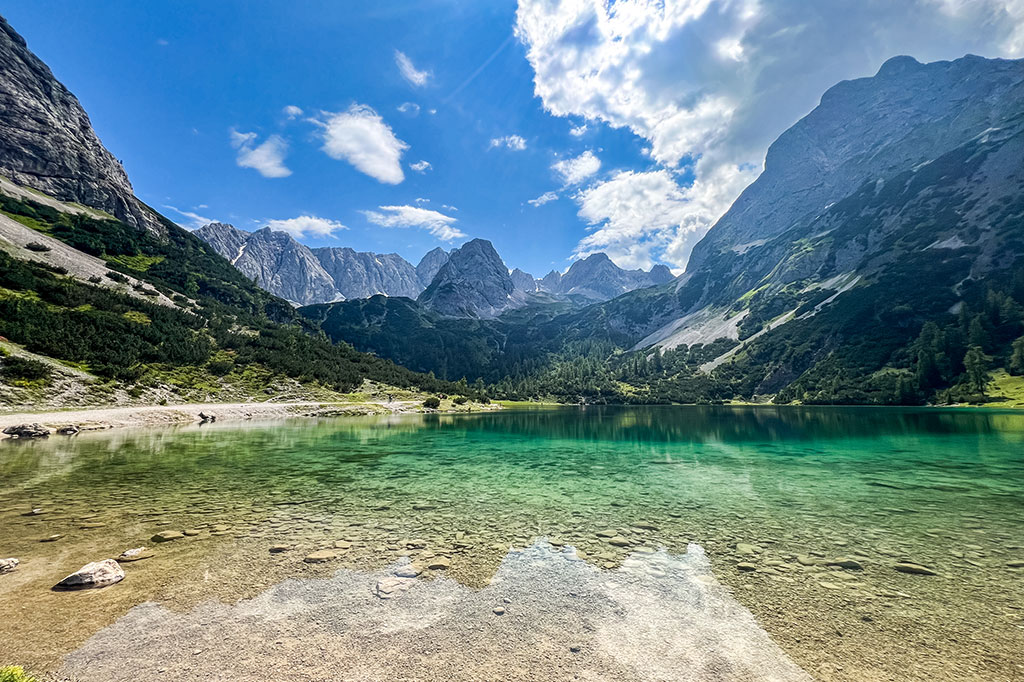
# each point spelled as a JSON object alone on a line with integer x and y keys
{"x": 305, "y": 276}
{"x": 917, "y": 112}
{"x": 27, "y": 431}
{"x": 473, "y": 283}
{"x": 430, "y": 265}
{"x": 91, "y": 576}
{"x": 597, "y": 278}
{"x": 364, "y": 274}
{"x": 47, "y": 142}
{"x": 523, "y": 281}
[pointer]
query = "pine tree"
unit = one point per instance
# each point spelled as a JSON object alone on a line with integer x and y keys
{"x": 976, "y": 366}
{"x": 1017, "y": 357}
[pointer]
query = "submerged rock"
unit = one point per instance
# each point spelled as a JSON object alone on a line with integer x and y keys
{"x": 93, "y": 576}
{"x": 137, "y": 554}
{"x": 27, "y": 431}
{"x": 321, "y": 556}
{"x": 392, "y": 586}
{"x": 8, "y": 565}
{"x": 167, "y": 536}
{"x": 844, "y": 562}
{"x": 914, "y": 569}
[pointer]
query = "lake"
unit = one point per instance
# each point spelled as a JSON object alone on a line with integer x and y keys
{"x": 764, "y": 538}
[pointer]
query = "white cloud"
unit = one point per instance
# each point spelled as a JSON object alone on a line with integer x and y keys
{"x": 306, "y": 225}
{"x": 195, "y": 220}
{"x": 639, "y": 218}
{"x": 576, "y": 170}
{"x": 409, "y": 108}
{"x": 409, "y": 71}
{"x": 438, "y": 224}
{"x": 421, "y": 200}
{"x": 513, "y": 142}
{"x": 719, "y": 81}
{"x": 543, "y": 199}
{"x": 266, "y": 158}
{"x": 292, "y": 112}
{"x": 421, "y": 166}
{"x": 578, "y": 131}
{"x": 361, "y": 137}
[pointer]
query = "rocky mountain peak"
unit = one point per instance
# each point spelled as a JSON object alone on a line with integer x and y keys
{"x": 47, "y": 142}
{"x": 473, "y": 283}
{"x": 429, "y": 265}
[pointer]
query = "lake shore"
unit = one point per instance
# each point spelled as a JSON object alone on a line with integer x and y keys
{"x": 94, "y": 419}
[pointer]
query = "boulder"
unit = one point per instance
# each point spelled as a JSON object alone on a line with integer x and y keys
{"x": 8, "y": 565}
{"x": 93, "y": 576}
{"x": 27, "y": 431}
{"x": 69, "y": 430}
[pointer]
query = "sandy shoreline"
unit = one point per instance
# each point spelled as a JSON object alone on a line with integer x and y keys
{"x": 168, "y": 415}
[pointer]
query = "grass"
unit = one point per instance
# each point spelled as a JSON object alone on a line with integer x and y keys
{"x": 28, "y": 222}
{"x": 1005, "y": 390}
{"x": 139, "y": 263}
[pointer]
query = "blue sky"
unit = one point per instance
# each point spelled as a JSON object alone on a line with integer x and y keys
{"x": 631, "y": 126}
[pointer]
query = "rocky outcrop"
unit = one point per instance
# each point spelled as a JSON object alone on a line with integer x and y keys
{"x": 27, "y": 431}
{"x": 430, "y": 265}
{"x": 597, "y": 278}
{"x": 364, "y": 274}
{"x": 523, "y": 281}
{"x": 47, "y": 141}
{"x": 93, "y": 576}
{"x": 227, "y": 240}
{"x": 473, "y": 283}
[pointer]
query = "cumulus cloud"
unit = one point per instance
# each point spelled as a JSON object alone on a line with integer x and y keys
{"x": 266, "y": 158}
{"x": 576, "y": 170}
{"x": 543, "y": 199}
{"x": 409, "y": 71}
{"x": 438, "y": 224}
{"x": 513, "y": 142}
{"x": 195, "y": 221}
{"x": 421, "y": 166}
{"x": 292, "y": 112}
{"x": 304, "y": 225}
{"x": 713, "y": 83}
{"x": 362, "y": 138}
{"x": 639, "y": 218}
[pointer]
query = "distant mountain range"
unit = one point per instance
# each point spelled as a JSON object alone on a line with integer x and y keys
{"x": 476, "y": 284}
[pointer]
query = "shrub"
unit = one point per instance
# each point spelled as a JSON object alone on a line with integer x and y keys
{"x": 24, "y": 369}
{"x": 15, "y": 673}
{"x": 433, "y": 402}
{"x": 460, "y": 400}
{"x": 117, "y": 277}
{"x": 220, "y": 367}
{"x": 37, "y": 247}
{"x": 95, "y": 280}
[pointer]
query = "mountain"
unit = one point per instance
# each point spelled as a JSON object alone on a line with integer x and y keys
{"x": 474, "y": 282}
{"x": 597, "y": 278}
{"x": 524, "y": 281}
{"x": 47, "y": 142}
{"x": 96, "y": 309}
{"x": 430, "y": 264}
{"x": 293, "y": 271}
{"x": 364, "y": 274}
{"x": 878, "y": 259}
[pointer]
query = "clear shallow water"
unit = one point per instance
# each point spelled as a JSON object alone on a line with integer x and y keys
{"x": 944, "y": 489}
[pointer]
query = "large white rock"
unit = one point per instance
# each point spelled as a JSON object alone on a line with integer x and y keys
{"x": 94, "y": 575}
{"x": 8, "y": 565}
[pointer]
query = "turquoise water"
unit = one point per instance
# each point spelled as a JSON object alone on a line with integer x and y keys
{"x": 782, "y": 491}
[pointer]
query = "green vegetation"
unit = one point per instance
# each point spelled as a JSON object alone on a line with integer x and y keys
{"x": 433, "y": 402}
{"x": 15, "y": 673}
{"x": 221, "y": 324}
